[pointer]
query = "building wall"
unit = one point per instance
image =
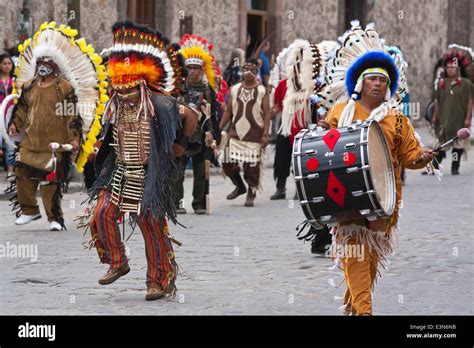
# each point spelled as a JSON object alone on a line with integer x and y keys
{"x": 420, "y": 29}
{"x": 471, "y": 25}
{"x": 311, "y": 20}
{"x": 42, "y": 11}
{"x": 97, "y": 18}
{"x": 8, "y": 19}
{"x": 215, "y": 20}
{"x": 163, "y": 17}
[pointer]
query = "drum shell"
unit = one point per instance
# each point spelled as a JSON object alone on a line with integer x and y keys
{"x": 356, "y": 183}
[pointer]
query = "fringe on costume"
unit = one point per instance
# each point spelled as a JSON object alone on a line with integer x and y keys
{"x": 310, "y": 235}
{"x": 383, "y": 243}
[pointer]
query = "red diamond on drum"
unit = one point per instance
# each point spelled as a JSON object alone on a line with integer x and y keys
{"x": 356, "y": 178}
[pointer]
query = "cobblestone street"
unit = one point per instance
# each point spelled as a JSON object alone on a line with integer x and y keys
{"x": 242, "y": 260}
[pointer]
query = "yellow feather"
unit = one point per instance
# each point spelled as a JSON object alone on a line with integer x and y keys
{"x": 100, "y": 109}
{"x": 97, "y": 60}
{"x": 102, "y": 76}
{"x": 89, "y": 49}
{"x": 91, "y": 137}
{"x": 82, "y": 43}
{"x": 104, "y": 98}
{"x": 199, "y": 52}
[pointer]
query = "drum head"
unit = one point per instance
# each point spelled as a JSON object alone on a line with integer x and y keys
{"x": 381, "y": 168}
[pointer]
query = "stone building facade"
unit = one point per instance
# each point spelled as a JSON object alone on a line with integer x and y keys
{"x": 422, "y": 29}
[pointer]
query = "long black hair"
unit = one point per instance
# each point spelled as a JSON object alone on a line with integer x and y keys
{"x": 3, "y": 57}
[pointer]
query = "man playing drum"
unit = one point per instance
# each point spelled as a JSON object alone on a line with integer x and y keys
{"x": 371, "y": 81}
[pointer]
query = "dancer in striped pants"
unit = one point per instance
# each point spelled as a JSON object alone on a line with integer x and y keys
{"x": 145, "y": 130}
{"x": 161, "y": 264}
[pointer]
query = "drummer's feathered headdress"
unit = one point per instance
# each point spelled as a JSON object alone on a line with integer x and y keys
{"x": 305, "y": 65}
{"x": 402, "y": 65}
{"x": 362, "y": 52}
{"x": 198, "y": 51}
{"x": 141, "y": 54}
{"x": 278, "y": 72}
{"x": 79, "y": 64}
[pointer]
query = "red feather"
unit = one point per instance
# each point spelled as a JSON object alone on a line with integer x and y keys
{"x": 51, "y": 176}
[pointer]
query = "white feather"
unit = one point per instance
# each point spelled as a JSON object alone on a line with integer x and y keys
{"x": 74, "y": 65}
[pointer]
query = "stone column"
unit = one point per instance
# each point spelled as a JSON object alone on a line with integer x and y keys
{"x": 74, "y": 14}
{"x": 242, "y": 24}
{"x": 460, "y": 22}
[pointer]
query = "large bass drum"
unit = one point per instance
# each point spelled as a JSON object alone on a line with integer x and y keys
{"x": 344, "y": 173}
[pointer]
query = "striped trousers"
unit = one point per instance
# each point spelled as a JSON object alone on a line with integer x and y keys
{"x": 161, "y": 264}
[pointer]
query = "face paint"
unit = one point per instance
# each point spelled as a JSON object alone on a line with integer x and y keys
{"x": 44, "y": 70}
{"x": 250, "y": 69}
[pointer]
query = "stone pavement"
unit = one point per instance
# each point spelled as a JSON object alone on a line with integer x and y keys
{"x": 242, "y": 260}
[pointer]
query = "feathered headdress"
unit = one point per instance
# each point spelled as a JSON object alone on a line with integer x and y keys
{"x": 463, "y": 56}
{"x": 79, "y": 64}
{"x": 198, "y": 51}
{"x": 360, "y": 50}
{"x": 140, "y": 54}
{"x": 397, "y": 55}
{"x": 278, "y": 72}
{"x": 305, "y": 65}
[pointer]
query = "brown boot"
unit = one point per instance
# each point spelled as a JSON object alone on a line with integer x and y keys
{"x": 250, "y": 198}
{"x": 349, "y": 310}
{"x": 154, "y": 292}
{"x": 240, "y": 187}
{"x": 113, "y": 274}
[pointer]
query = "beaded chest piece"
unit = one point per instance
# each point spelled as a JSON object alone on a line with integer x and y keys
{"x": 131, "y": 134}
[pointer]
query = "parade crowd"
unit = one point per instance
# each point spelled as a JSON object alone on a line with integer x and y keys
{"x": 161, "y": 107}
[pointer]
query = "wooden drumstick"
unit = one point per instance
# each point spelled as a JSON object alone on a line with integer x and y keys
{"x": 462, "y": 134}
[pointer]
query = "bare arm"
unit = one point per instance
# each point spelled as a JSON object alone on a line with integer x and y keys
{"x": 266, "y": 78}
{"x": 227, "y": 115}
{"x": 266, "y": 114}
{"x": 274, "y": 111}
{"x": 189, "y": 119}
{"x": 266, "y": 119}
